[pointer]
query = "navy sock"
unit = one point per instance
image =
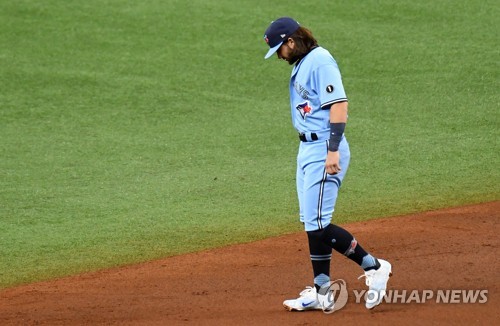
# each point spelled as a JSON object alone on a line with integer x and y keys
{"x": 321, "y": 255}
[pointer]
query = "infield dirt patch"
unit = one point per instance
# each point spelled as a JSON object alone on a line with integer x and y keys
{"x": 452, "y": 249}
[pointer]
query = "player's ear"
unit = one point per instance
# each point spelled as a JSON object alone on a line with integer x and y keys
{"x": 291, "y": 42}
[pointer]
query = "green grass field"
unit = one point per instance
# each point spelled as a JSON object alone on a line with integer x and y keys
{"x": 134, "y": 130}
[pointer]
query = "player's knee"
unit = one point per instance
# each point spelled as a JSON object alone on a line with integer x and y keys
{"x": 316, "y": 243}
{"x": 340, "y": 239}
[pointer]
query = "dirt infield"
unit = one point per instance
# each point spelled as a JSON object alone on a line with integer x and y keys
{"x": 452, "y": 249}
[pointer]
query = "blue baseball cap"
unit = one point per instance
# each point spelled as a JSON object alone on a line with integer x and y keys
{"x": 279, "y": 31}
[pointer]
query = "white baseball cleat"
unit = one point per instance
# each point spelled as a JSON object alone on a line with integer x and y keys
{"x": 376, "y": 280}
{"x": 308, "y": 300}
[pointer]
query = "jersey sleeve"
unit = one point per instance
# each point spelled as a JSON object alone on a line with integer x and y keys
{"x": 328, "y": 84}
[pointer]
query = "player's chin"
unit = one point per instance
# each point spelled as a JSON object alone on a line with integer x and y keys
{"x": 292, "y": 59}
{"x": 287, "y": 60}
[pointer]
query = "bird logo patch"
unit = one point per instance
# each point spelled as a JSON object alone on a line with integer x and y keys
{"x": 351, "y": 248}
{"x": 304, "y": 109}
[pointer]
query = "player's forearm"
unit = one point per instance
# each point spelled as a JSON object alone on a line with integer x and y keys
{"x": 338, "y": 119}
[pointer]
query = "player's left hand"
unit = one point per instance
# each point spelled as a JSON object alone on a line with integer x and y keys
{"x": 333, "y": 163}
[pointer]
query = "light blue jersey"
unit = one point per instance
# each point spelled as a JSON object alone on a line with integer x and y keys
{"x": 315, "y": 85}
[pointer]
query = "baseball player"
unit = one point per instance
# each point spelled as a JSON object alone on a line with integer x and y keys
{"x": 319, "y": 114}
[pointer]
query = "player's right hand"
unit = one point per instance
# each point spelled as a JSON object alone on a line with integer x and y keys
{"x": 332, "y": 163}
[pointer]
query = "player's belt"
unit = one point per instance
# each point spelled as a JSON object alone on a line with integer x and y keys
{"x": 303, "y": 137}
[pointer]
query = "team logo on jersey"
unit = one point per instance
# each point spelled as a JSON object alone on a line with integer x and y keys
{"x": 304, "y": 109}
{"x": 330, "y": 88}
